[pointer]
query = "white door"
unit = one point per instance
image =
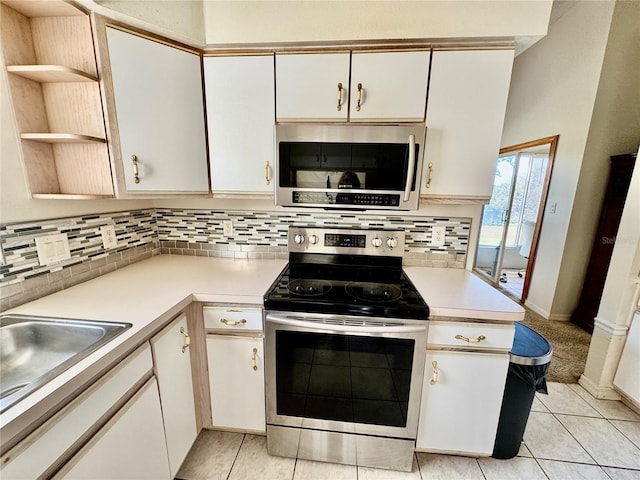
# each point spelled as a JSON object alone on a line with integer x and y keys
{"x": 172, "y": 365}
{"x": 160, "y": 115}
{"x": 393, "y": 86}
{"x": 240, "y": 120}
{"x": 130, "y": 445}
{"x": 459, "y": 412}
{"x": 236, "y": 379}
{"x": 312, "y": 87}
{"x": 468, "y": 94}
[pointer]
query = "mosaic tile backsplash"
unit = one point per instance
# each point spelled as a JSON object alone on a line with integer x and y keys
{"x": 145, "y": 233}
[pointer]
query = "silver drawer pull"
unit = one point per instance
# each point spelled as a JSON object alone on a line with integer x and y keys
{"x": 478, "y": 339}
{"x": 231, "y": 323}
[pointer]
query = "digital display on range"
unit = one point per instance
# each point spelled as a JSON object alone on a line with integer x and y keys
{"x": 341, "y": 240}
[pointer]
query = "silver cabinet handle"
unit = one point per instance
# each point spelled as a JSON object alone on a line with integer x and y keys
{"x": 478, "y": 339}
{"x": 412, "y": 167}
{"x": 339, "y": 96}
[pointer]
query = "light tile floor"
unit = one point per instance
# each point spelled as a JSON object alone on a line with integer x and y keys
{"x": 570, "y": 435}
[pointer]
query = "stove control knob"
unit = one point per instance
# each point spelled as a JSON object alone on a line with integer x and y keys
{"x": 313, "y": 239}
{"x": 299, "y": 238}
{"x": 392, "y": 242}
{"x": 376, "y": 242}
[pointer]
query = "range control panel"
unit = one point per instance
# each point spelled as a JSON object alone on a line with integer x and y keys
{"x": 389, "y": 243}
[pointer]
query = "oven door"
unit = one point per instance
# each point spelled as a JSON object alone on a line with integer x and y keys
{"x": 342, "y": 166}
{"x": 344, "y": 374}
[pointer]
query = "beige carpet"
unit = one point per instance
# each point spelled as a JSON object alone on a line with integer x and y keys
{"x": 570, "y": 346}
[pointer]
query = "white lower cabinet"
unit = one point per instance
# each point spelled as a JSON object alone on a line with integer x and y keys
{"x": 130, "y": 445}
{"x": 461, "y": 400}
{"x": 46, "y": 449}
{"x": 236, "y": 378}
{"x": 172, "y": 364}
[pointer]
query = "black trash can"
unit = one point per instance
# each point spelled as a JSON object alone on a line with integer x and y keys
{"x": 528, "y": 364}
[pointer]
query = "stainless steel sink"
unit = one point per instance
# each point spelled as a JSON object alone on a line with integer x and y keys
{"x": 34, "y": 350}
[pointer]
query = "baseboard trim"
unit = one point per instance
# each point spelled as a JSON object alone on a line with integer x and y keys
{"x": 603, "y": 393}
{"x": 540, "y": 311}
{"x": 560, "y": 317}
{"x": 630, "y": 402}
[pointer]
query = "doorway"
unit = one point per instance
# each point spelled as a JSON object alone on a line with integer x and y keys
{"x": 512, "y": 220}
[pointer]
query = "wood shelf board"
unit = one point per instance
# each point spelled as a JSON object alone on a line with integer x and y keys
{"x": 43, "y": 8}
{"x": 69, "y": 196}
{"x": 61, "y": 138}
{"x": 51, "y": 73}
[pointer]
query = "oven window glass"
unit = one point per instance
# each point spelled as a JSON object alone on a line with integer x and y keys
{"x": 343, "y": 377}
{"x": 344, "y": 165}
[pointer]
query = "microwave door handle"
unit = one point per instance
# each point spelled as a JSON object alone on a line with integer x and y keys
{"x": 412, "y": 167}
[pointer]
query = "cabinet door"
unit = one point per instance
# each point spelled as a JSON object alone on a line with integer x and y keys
{"x": 240, "y": 119}
{"x": 172, "y": 365}
{"x": 160, "y": 114}
{"x": 467, "y": 101}
{"x": 237, "y": 389}
{"x": 40, "y": 453}
{"x": 131, "y": 444}
{"x": 393, "y": 86}
{"x": 307, "y": 87}
{"x": 449, "y": 421}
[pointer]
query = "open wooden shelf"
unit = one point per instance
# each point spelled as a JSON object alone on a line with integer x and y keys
{"x": 43, "y": 8}
{"x": 51, "y": 73}
{"x": 69, "y": 196}
{"x": 61, "y": 138}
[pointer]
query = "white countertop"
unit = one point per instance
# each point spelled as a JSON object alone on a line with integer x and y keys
{"x": 150, "y": 293}
{"x": 454, "y": 292}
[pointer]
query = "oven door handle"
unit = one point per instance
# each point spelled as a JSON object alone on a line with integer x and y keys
{"x": 330, "y": 327}
{"x": 412, "y": 167}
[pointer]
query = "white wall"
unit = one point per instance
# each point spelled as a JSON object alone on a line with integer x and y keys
{"x": 614, "y": 129}
{"x": 178, "y": 19}
{"x": 553, "y": 91}
{"x": 233, "y": 22}
{"x": 15, "y": 204}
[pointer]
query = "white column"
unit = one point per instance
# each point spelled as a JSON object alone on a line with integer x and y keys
{"x": 619, "y": 300}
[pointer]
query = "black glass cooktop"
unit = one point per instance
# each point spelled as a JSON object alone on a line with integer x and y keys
{"x": 346, "y": 289}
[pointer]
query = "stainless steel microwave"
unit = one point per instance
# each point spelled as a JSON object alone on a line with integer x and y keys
{"x": 349, "y": 166}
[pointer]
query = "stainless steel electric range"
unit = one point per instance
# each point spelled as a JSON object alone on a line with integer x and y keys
{"x": 346, "y": 335}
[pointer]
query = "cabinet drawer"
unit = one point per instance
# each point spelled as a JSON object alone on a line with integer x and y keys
{"x": 229, "y": 318}
{"x": 470, "y": 335}
{"x": 48, "y": 444}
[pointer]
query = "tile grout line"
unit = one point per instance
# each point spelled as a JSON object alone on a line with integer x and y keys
{"x": 573, "y": 436}
{"x": 244, "y": 436}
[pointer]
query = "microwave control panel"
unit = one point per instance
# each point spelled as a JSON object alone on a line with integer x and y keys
{"x": 360, "y": 199}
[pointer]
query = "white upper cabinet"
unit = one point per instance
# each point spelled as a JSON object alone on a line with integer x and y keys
{"x": 468, "y": 93}
{"x": 240, "y": 119}
{"x": 389, "y": 86}
{"x": 312, "y": 87}
{"x": 160, "y": 115}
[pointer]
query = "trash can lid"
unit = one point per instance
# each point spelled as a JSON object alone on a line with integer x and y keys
{"x": 529, "y": 347}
